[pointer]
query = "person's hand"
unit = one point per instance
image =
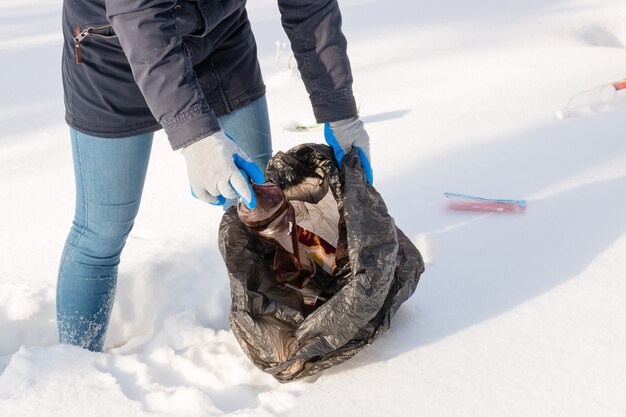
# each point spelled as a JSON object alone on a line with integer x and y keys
{"x": 343, "y": 135}
{"x": 217, "y": 170}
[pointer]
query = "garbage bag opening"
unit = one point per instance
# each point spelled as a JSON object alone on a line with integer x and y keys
{"x": 317, "y": 272}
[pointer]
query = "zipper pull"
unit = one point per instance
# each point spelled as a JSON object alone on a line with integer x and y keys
{"x": 78, "y": 37}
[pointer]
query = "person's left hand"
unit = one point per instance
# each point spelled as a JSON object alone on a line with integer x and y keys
{"x": 218, "y": 170}
{"x": 343, "y": 135}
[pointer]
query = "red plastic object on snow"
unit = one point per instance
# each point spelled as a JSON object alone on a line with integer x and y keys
{"x": 463, "y": 202}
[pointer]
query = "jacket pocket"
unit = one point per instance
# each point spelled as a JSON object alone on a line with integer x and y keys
{"x": 189, "y": 19}
{"x": 205, "y": 16}
{"x": 101, "y": 32}
{"x": 215, "y": 11}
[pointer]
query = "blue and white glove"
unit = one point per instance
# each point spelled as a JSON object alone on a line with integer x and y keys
{"x": 218, "y": 170}
{"x": 343, "y": 135}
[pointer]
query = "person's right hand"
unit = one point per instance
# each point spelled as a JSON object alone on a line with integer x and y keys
{"x": 217, "y": 166}
{"x": 343, "y": 135}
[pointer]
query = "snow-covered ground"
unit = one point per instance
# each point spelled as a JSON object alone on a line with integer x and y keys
{"x": 516, "y": 315}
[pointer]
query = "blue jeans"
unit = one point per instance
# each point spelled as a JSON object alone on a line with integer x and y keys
{"x": 109, "y": 176}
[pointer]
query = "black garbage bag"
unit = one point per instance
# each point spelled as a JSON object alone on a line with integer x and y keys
{"x": 377, "y": 269}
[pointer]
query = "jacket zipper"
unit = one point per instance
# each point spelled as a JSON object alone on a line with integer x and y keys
{"x": 79, "y": 35}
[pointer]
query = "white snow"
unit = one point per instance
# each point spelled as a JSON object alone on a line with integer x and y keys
{"x": 516, "y": 315}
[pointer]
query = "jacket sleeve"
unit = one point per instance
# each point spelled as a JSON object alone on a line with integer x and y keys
{"x": 162, "y": 69}
{"x": 314, "y": 30}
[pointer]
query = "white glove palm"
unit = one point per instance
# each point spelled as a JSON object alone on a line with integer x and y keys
{"x": 212, "y": 172}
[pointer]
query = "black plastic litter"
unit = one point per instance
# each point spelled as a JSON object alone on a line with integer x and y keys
{"x": 377, "y": 269}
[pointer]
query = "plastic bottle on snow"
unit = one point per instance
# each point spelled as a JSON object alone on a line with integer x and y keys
{"x": 593, "y": 101}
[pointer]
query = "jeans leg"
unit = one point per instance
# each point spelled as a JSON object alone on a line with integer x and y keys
{"x": 250, "y": 127}
{"x": 109, "y": 175}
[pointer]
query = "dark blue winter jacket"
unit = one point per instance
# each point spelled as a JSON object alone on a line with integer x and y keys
{"x": 133, "y": 66}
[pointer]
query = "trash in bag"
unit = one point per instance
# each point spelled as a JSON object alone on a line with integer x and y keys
{"x": 318, "y": 268}
{"x": 303, "y": 261}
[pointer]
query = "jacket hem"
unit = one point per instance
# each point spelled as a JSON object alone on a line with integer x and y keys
{"x": 237, "y": 102}
{"x": 114, "y": 133}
